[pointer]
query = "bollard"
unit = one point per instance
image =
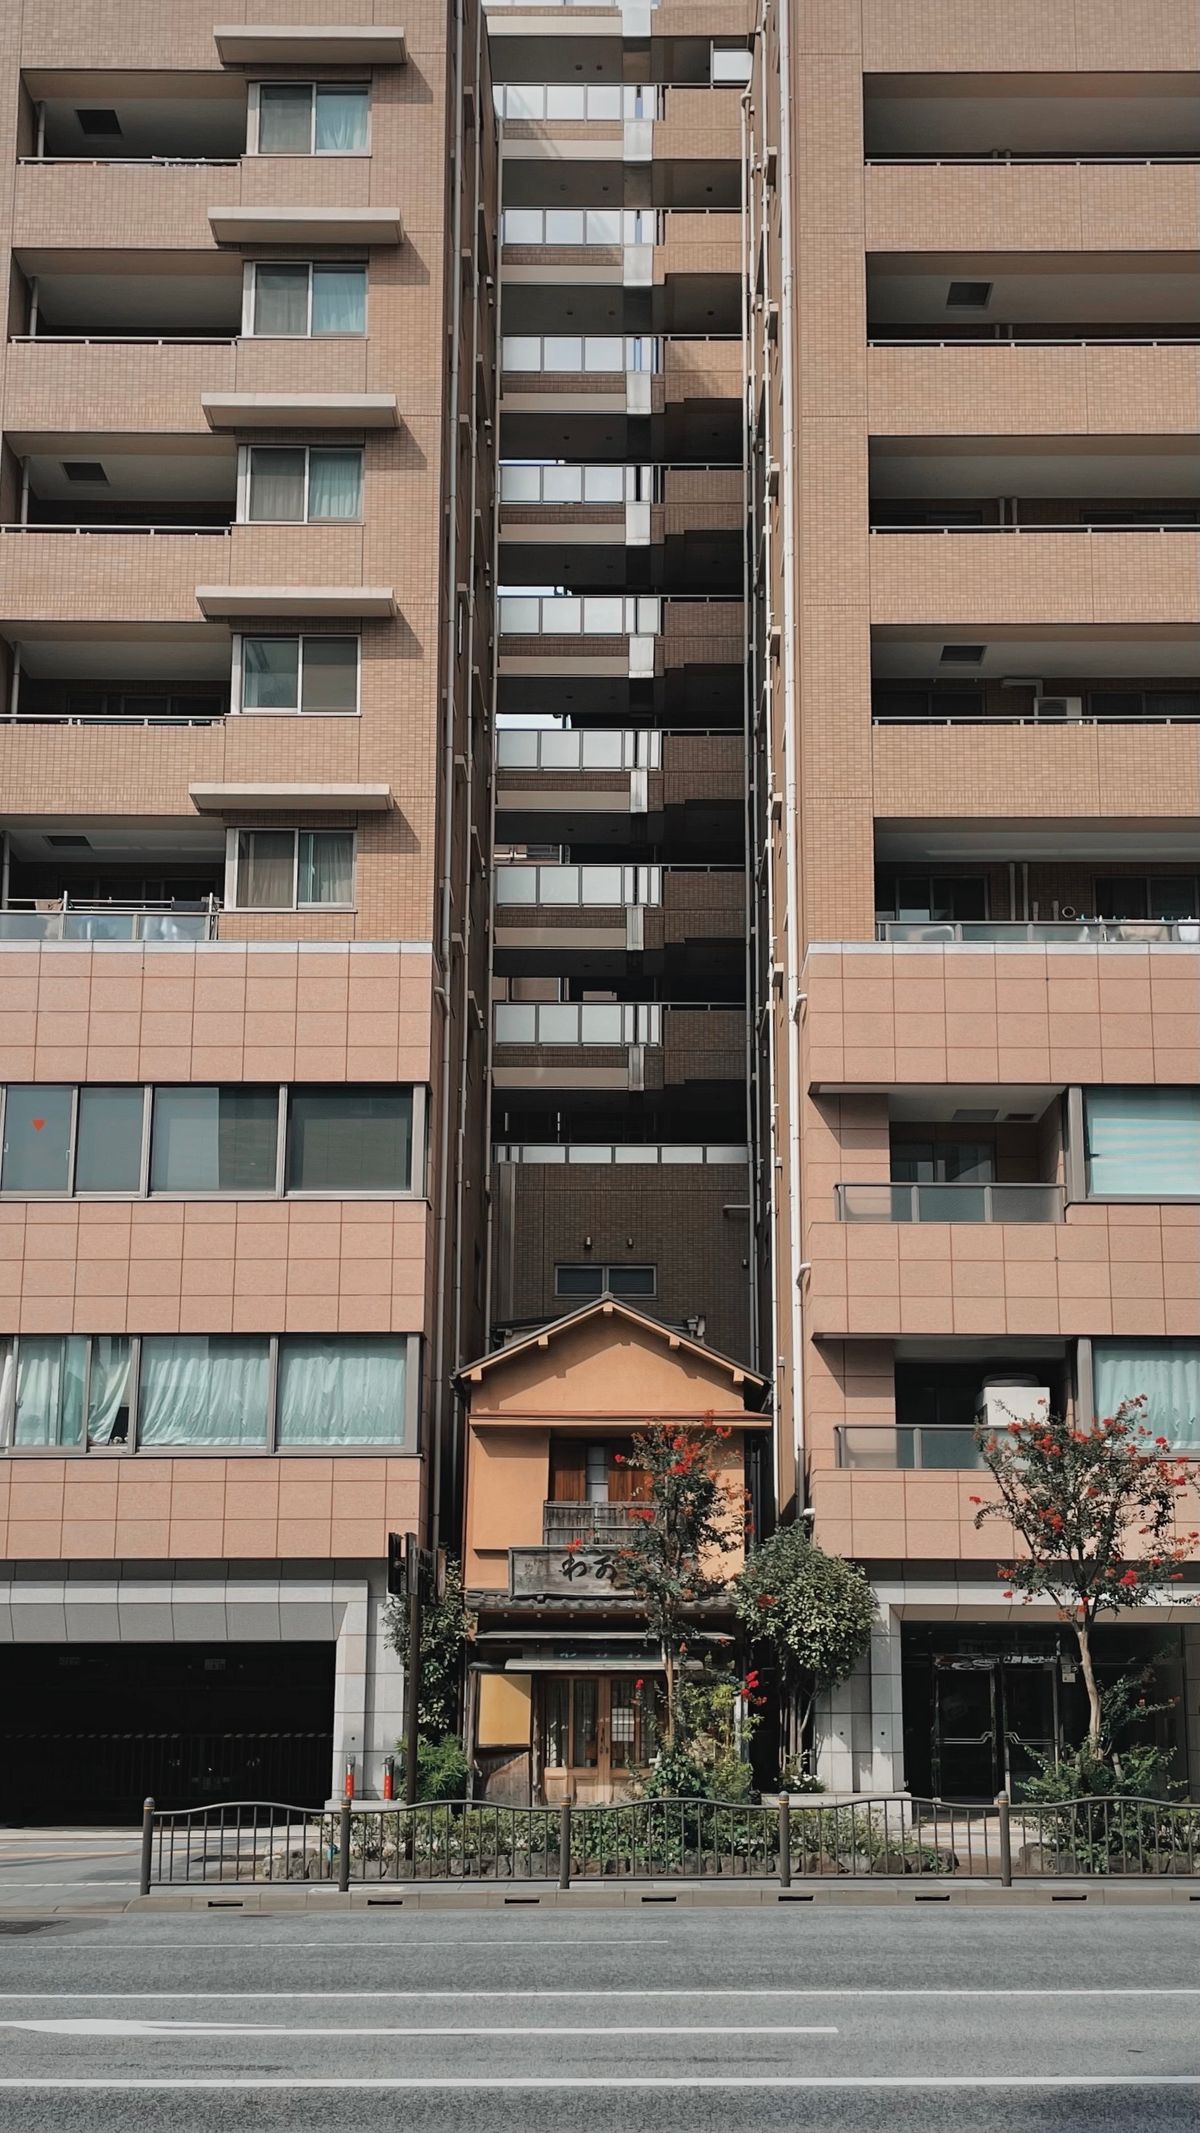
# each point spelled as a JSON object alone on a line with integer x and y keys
{"x": 389, "y": 1777}
{"x": 1005, "y": 1841}
{"x": 147, "y": 1847}
{"x": 564, "y": 1845}
{"x": 344, "y": 1848}
{"x": 348, "y": 1787}
{"x": 785, "y": 1841}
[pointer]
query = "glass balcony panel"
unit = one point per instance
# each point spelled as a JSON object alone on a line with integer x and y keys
{"x": 562, "y": 485}
{"x": 523, "y": 351}
{"x": 952, "y": 1203}
{"x": 562, "y": 618}
{"x": 558, "y": 886}
{"x": 563, "y": 351}
{"x": 563, "y": 225}
{"x": 604, "y": 617}
{"x": 524, "y": 100}
{"x": 517, "y": 751}
{"x": 946, "y": 1447}
{"x": 603, "y": 751}
{"x": 602, "y": 1023}
{"x": 516, "y": 1022}
{"x": 559, "y": 751}
{"x": 565, "y": 101}
{"x": 634, "y": 1154}
{"x": 604, "y": 485}
{"x": 682, "y": 1152}
{"x": 520, "y": 617}
{"x": 557, "y": 1024}
{"x": 603, "y": 885}
{"x": 1025, "y": 1203}
{"x": 520, "y": 485}
{"x": 604, "y": 101}
{"x": 588, "y": 1152}
{"x": 604, "y": 225}
{"x": 604, "y": 352}
{"x": 522, "y": 225}
{"x": 516, "y": 885}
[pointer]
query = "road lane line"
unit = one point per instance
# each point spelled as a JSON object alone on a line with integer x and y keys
{"x": 98, "y": 2026}
{"x": 646, "y": 1992}
{"x": 690, "y": 2082}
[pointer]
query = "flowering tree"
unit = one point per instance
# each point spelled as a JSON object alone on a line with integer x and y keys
{"x": 687, "y": 1518}
{"x": 1095, "y": 1509}
{"x": 814, "y": 1610}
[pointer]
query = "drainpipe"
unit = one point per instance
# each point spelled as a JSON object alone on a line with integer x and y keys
{"x": 791, "y": 748}
{"x": 751, "y": 930}
{"x": 4, "y": 870}
{"x": 24, "y": 492}
{"x": 441, "y": 1402}
{"x": 14, "y": 686}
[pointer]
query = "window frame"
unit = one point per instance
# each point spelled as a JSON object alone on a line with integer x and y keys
{"x": 295, "y": 909}
{"x": 605, "y": 1268}
{"x": 250, "y": 299}
{"x": 417, "y": 1188}
{"x": 314, "y": 86}
{"x": 408, "y": 1444}
{"x": 1080, "y": 1123}
{"x": 245, "y": 477}
{"x": 237, "y": 675}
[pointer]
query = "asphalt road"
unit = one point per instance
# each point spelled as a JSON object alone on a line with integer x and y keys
{"x": 879, "y": 2021}
{"x": 87, "y": 1868}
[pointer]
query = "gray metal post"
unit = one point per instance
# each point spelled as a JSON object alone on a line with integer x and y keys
{"x": 344, "y": 1849}
{"x": 785, "y": 1841}
{"x": 1005, "y": 1840}
{"x": 147, "y": 1847}
{"x": 564, "y": 1845}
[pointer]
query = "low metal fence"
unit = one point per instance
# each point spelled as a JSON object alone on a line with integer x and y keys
{"x": 354, "y": 1845}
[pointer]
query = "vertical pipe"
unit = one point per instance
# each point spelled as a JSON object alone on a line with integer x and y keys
{"x": 1005, "y": 1840}
{"x": 412, "y": 1684}
{"x": 14, "y": 687}
{"x": 5, "y": 869}
{"x": 564, "y": 1845}
{"x": 33, "y": 308}
{"x": 344, "y": 1847}
{"x": 785, "y": 1841}
{"x": 24, "y": 492}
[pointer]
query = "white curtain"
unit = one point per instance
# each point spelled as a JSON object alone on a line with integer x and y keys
{"x": 1144, "y": 1142}
{"x": 1167, "y": 1372}
{"x": 343, "y": 1390}
{"x": 277, "y": 486}
{"x": 284, "y": 119}
{"x": 281, "y": 300}
{"x": 8, "y": 1392}
{"x": 326, "y": 867}
{"x": 341, "y": 120}
{"x": 203, "y": 1390}
{"x": 335, "y": 484}
{"x": 265, "y": 872}
{"x": 50, "y": 1390}
{"x": 339, "y": 300}
{"x": 109, "y": 1388}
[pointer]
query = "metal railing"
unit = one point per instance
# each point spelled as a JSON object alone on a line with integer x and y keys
{"x": 893, "y": 1835}
{"x": 563, "y": 1523}
{"x": 951, "y": 159}
{"x": 572, "y": 887}
{"x": 546, "y": 1154}
{"x": 142, "y": 162}
{"x": 218, "y": 532}
{"x": 580, "y": 615}
{"x": 582, "y": 1022}
{"x": 123, "y": 338}
{"x": 1093, "y": 716}
{"x": 998, "y": 932}
{"x": 1140, "y": 525}
{"x": 949, "y": 1203}
{"x": 608, "y": 226}
{"x": 581, "y": 352}
{"x": 880, "y": 1448}
{"x": 544, "y": 748}
{"x": 69, "y": 920}
{"x": 559, "y": 484}
{"x": 1022, "y": 337}
{"x": 614, "y": 101}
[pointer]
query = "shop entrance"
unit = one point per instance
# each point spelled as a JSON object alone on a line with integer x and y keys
{"x": 990, "y": 1718}
{"x": 595, "y": 1734}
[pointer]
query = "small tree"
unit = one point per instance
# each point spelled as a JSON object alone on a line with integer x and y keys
{"x": 687, "y": 1516}
{"x": 1095, "y": 1509}
{"x": 814, "y": 1610}
{"x": 446, "y": 1625}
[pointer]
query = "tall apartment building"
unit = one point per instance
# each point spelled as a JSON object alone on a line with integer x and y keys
{"x": 973, "y": 392}
{"x": 600, "y": 618}
{"x": 245, "y": 630}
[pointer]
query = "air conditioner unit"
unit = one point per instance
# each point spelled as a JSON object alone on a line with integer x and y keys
{"x": 1058, "y": 707}
{"x": 1011, "y": 1399}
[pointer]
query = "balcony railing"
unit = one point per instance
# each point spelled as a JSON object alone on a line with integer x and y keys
{"x": 1000, "y": 933}
{"x": 582, "y": 1022}
{"x": 949, "y": 1203}
{"x": 951, "y": 158}
{"x": 1177, "y": 524}
{"x": 563, "y": 1523}
{"x": 572, "y": 887}
{"x": 879, "y": 1448}
{"x": 593, "y": 615}
{"x": 76, "y": 921}
{"x": 556, "y": 484}
{"x": 582, "y": 352}
{"x": 545, "y": 748}
{"x": 580, "y": 225}
{"x": 1024, "y": 337}
{"x": 632, "y": 1153}
{"x": 154, "y": 531}
{"x": 614, "y": 101}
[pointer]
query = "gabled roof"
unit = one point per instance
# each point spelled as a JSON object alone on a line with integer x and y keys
{"x": 603, "y": 1311}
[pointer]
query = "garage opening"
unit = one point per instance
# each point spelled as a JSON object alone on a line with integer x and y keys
{"x": 88, "y": 1731}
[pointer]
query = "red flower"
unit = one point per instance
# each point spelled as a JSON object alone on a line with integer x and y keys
{"x": 1008, "y": 1593}
{"x": 1130, "y": 1578}
{"x": 974, "y": 1499}
{"x": 573, "y": 1547}
{"x": 639, "y": 1683}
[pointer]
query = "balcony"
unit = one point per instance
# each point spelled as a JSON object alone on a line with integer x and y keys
{"x": 605, "y": 1524}
{"x": 1074, "y": 207}
{"x": 1001, "y": 933}
{"x": 553, "y": 1022}
{"x": 994, "y": 388}
{"x": 881, "y": 1202}
{"x": 634, "y": 1155}
{"x": 1024, "y": 577}
{"x": 71, "y": 919}
{"x": 877, "y": 1448}
{"x": 577, "y": 749}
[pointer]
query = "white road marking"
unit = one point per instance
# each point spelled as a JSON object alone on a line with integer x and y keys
{"x": 660, "y": 1992}
{"x": 99, "y": 2026}
{"x": 689, "y": 2082}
